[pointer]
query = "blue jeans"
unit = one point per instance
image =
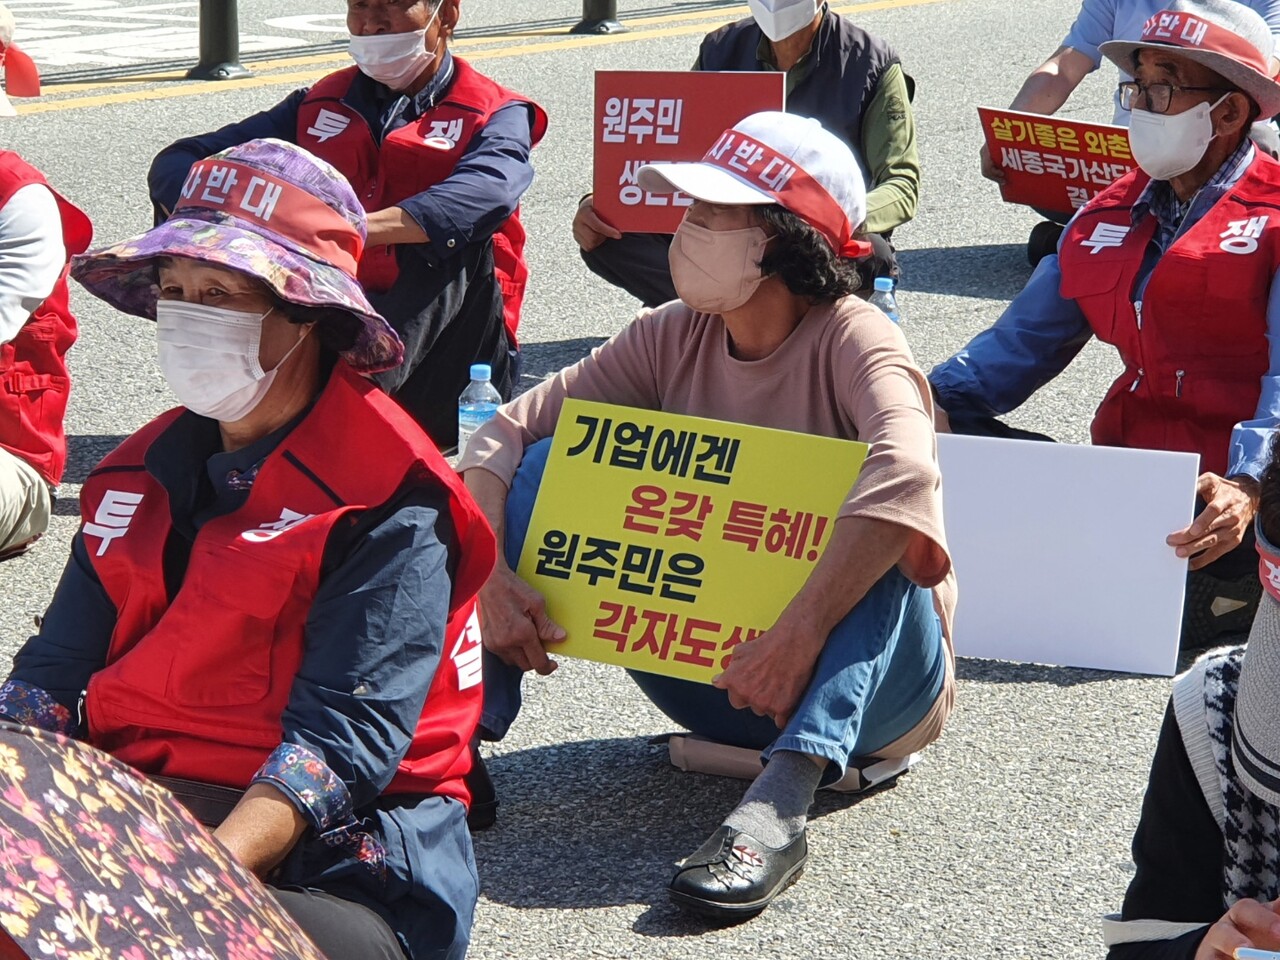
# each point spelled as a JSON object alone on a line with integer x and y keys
{"x": 882, "y": 668}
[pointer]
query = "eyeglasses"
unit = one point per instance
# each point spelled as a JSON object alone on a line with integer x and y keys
{"x": 1156, "y": 97}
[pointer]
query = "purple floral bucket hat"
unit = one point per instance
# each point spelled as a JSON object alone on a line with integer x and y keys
{"x": 267, "y": 209}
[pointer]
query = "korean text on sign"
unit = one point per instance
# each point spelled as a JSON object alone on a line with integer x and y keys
{"x": 695, "y": 535}
{"x": 1053, "y": 163}
{"x": 652, "y": 117}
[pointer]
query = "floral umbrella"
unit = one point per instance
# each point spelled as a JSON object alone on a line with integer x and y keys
{"x": 97, "y": 863}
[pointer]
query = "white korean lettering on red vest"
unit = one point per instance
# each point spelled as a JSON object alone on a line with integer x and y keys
{"x": 269, "y": 531}
{"x": 1241, "y": 236}
{"x": 468, "y": 654}
{"x": 113, "y": 517}
{"x": 1106, "y": 235}
{"x": 328, "y": 125}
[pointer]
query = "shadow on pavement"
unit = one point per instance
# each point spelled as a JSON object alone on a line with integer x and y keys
{"x": 84, "y": 451}
{"x": 540, "y": 360}
{"x": 66, "y": 506}
{"x": 1003, "y": 671}
{"x": 994, "y": 271}
{"x": 601, "y": 823}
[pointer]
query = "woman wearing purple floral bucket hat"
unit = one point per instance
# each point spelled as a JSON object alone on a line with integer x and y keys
{"x": 269, "y": 605}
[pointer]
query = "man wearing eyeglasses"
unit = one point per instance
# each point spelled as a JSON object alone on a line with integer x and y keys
{"x": 1049, "y": 85}
{"x": 1174, "y": 265}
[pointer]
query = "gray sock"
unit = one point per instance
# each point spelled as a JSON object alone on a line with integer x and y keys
{"x": 776, "y": 806}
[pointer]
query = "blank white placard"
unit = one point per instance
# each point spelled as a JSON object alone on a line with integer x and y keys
{"x": 1059, "y": 551}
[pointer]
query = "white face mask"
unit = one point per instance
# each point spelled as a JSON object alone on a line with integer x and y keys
{"x": 394, "y": 59}
{"x": 209, "y": 357}
{"x": 779, "y": 19}
{"x": 1168, "y": 145}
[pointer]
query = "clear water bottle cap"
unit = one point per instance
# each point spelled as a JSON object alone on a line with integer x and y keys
{"x": 481, "y": 371}
{"x": 884, "y": 284}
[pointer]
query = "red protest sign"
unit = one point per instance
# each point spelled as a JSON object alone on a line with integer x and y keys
{"x": 647, "y": 116}
{"x": 1052, "y": 163}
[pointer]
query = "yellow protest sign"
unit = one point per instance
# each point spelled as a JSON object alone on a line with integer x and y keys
{"x": 662, "y": 541}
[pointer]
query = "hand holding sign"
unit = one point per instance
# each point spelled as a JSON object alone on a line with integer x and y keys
{"x": 769, "y": 675}
{"x": 1248, "y": 924}
{"x": 588, "y": 229}
{"x": 514, "y": 622}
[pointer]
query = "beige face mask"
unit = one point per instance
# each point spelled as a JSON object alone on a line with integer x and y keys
{"x": 716, "y": 270}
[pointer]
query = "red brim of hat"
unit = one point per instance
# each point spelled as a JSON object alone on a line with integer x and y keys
{"x": 21, "y": 76}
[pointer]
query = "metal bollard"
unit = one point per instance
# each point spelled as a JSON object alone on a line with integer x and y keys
{"x": 219, "y": 43}
{"x": 599, "y": 16}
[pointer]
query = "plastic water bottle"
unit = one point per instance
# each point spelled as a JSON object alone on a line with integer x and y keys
{"x": 883, "y": 298}
{"x": 478, "y": 403}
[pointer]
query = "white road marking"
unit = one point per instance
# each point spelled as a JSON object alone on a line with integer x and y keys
{"x": 108, "y": 33}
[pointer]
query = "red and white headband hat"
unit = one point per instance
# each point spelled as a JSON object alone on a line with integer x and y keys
{"x": 1229, "y": 38}
{"x": 21, "y": 76}
{"x": 777, "y": 158}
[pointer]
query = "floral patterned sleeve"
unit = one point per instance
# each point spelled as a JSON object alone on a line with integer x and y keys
{"x": 309, "y": 783}
{"x": 32, "y": 706}
{"x": 323, "y": 800}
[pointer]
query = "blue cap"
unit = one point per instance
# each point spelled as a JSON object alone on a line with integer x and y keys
{"x": 481, "y": 371}
{"x": 884, "y": 284}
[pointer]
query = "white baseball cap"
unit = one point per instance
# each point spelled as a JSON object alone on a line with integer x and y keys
{"x": 779, "y": 158}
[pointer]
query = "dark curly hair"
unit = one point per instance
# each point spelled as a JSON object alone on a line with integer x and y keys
{"x": 336, "y": 329}
{"x": 1269, "y": 500}
{"x": 803, "y": 260}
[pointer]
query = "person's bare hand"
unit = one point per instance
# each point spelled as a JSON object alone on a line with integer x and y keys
{"x": 769, "y": 675}
{"x": 989, "y": 168}
{"x": 1230, "y": 506}
{"x": 1247, "y": 924}
{"x": 588, "y": 229}
{"x": 514, "y": 623}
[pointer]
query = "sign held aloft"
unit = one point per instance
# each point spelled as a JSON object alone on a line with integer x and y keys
{"x": 1052, "y": 163}
{"x": 649, "y": 116}
{"x": 693, "y": 538}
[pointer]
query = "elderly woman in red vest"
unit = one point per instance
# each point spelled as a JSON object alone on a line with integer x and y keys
{"x": 270, "y": 599}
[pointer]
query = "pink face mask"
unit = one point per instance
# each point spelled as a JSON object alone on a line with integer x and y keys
{"x": 716, "y": 270}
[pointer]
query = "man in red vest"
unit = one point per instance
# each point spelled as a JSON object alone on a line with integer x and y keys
{"x": 39, "y": 231}
{"x": 439, "y": 156}
{"x": 1174, "y": 265}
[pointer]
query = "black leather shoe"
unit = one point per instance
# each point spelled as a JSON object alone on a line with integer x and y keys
{"x": 733, "y": 876}
{"x": 484, "y": 798}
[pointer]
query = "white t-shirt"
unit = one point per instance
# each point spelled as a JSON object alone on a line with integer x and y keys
{"x": 32, "y": 255}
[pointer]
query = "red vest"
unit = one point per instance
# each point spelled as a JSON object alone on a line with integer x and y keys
{"x": 1195, "y": 349}
{"x": 195, "y": 685}
{"x": 34, "y": 382}
{"x": 414, "y": 158}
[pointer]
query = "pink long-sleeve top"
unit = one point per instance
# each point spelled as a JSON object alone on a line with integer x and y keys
{"x": 845, "y": 372}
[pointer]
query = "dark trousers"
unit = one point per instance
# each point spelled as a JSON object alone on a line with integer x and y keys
{"x": 638, "y": 264}
{"x": 342, "y": 929}
{"x": 449, "y": 317}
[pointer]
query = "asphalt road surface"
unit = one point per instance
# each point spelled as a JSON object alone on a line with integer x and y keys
{"x": 1009, "y": 840}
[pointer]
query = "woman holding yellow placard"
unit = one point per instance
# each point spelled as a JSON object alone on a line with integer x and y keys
{"x": 859, "y": 664}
